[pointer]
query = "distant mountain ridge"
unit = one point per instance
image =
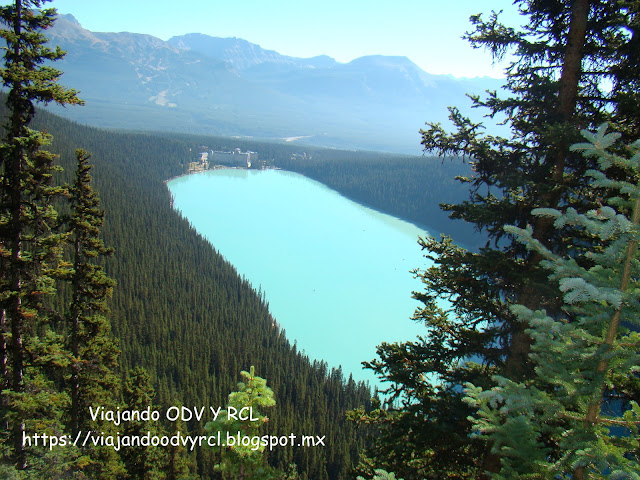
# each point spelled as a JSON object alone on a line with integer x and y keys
{"x": 229, "y": 86}
{"x": 242, "y": 54}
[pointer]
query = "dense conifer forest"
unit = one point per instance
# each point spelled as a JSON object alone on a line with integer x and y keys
{"x": 182, "y": 312}
{"x": 110, "y": 299}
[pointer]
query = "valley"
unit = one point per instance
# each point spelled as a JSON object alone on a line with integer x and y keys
{"x": 360, "y": 269}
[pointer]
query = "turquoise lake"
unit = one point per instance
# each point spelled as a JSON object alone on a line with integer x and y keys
{"x": 336, "y": 274}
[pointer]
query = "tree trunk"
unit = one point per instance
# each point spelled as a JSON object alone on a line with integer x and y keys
{"x": 520, "y": 345}
{"x": 4, "y": 379}
{"x": 75, "y": 345}
{"x": 517, "y": 365}
{"x": 14, "y": 311}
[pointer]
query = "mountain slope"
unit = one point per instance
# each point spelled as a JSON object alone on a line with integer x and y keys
{"x": 200, "y": 84}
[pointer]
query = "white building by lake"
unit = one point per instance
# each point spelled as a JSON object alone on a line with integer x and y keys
{"x": 235, "y": 158}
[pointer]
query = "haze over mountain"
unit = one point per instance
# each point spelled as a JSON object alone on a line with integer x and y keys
{"x": 229, "y": 86}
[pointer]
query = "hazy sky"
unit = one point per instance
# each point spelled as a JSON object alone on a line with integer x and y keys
{"x": 426, "y": 31}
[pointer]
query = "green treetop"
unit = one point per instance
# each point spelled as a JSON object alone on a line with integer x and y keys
{"x": 142, "y": 462}
{"x": 245, "y": 458}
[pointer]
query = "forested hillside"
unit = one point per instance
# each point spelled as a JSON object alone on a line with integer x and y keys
{"x": 181, "y": 311}
{"x": 411, "y": 188}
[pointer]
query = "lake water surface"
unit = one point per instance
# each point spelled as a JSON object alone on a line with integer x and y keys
{"x": 336, "y": 274}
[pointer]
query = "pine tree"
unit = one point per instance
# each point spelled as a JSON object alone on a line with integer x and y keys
{"x": 93, "y": 354}
{"x": 564, "y": 425}
{"x": 382, "y": 475}
{"x": 574, "y": 67}
{"x": 245, "y": 458}
{"x": 180, "y": 463}
{"x": 142, "y": 462}
{"x": 29, "y": 246}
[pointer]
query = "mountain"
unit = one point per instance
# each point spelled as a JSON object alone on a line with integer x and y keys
{"x": 242, "y": 54}
{"x": 228, "y": 86}
{"x": 141, "y": 82}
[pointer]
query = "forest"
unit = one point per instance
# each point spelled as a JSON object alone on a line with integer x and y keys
{"x": 408, "y": 187}
{"x": 109, "y": 298}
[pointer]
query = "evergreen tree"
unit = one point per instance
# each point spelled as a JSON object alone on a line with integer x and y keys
{"x": 244, "y": 459}
{"x": 574, "y": 67}
{"x": 563, "y": 425}
{"x": 29, "y": 247}
{"x": 90, "y": 289}
{"x": 180, "y": 462}
{"x": 142, "y": 462}
{"x": 93, "y": 379}
{"x": 382, "y": 475}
